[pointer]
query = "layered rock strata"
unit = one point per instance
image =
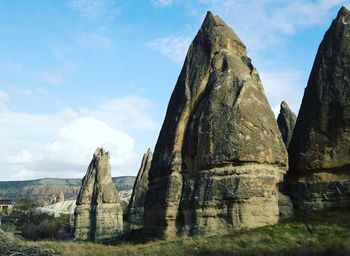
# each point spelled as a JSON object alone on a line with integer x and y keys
{"x": 219, "y": 153}
{"x": 136, "y": 205}
{"x": 286, "y": 121}
{"x": 319, "y": 151}
{"x": 98, "y": 214}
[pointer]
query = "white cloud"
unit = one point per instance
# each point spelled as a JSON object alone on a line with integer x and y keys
{"x": 162, "y": 2}
{"x": 52, "y": 78}
{"x": 40, "y": 93}
{"x": 264, "y": 23}
{"x": 125, "y": 112}
{"x": 77, "y": 140}
{"x": 3, "y": 98}
{"x": 61, "y": 145}
{"x": 173, "y": 47}
{"x": 95, "y": 9}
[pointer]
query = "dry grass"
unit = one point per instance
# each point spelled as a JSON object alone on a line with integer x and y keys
{"x": 331, "y": 236}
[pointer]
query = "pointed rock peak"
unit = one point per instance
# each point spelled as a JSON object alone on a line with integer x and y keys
{"x": 99, "y": 152}
{"x": 149, "y": 151}
{"x": 284, "y": 106}
{"x": 342, "y": 20}
{"x": 212, "y": 19}
{"x": 343, "y": 12}
{"x": 216, "y": 32}
{"x": 286, "y": 121}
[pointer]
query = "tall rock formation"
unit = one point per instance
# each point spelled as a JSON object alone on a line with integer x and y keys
{"x": 219, "y": 153}
{"x": 320, "y": 147}
{"x": 98, "y": 214}
{"x": 137, "y": 201}
{"x": 60, "y": 197}
{"x": 286, "y": 122}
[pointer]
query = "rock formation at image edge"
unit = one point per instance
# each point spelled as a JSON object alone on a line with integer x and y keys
{"x": 98, "y": 214}
{"x": 219, "y": 154}
{"x": 319, "y": 152}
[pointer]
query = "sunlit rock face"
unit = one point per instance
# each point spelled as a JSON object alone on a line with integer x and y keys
{"x": 219, "y": 154}
{"x": 136, "y": 205}
{"x": 286, "y": 122}
{"x": 319, "y": 152}
{"x": 98, "y": 214}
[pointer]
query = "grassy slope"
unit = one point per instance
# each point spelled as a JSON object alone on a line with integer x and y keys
{"x": 331, "y": 236}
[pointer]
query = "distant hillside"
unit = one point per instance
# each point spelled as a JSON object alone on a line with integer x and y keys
{"x": 44, "y": 189}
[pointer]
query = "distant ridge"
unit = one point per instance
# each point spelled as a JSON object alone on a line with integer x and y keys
{"x": 45, "y": 189}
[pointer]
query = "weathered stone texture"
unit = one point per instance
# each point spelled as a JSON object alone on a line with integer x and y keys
{"x": 319, "y": 152}
{"x": 60, "y": 197}
{"x": 286, "y": 122}
{"x": 219, "y": 154}
{"x": 285, "y": 205}
{"x": 136, "y": 205}
{"x": 98, "y": 214}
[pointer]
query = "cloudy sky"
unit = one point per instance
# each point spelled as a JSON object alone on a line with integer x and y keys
{"x": 78, "y": 74}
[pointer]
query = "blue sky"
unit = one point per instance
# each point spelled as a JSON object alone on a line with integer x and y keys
{"x": 78, "y": 74}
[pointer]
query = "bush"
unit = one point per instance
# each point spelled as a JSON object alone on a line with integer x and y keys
{"x": 42, "y": 227}
{"x": 33, "y": 226}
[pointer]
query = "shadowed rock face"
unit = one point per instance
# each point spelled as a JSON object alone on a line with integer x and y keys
{"x": 219, "y": 153}
{"x": 98, "y": 214}
{"x": 320, "y": 147}
{"x": 286, "y": 122}
{"x": 137, "y": 201}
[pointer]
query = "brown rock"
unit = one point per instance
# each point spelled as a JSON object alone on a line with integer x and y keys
{"x": 320, "y": 147}
{"x": 286, "y": 122}
{"x": 98, "y": 214}
{"x": 285, "y": 206}
{"x": 60, "y": 197}
{"x": 219, "y": 154}
{"x": 137, "y": 201}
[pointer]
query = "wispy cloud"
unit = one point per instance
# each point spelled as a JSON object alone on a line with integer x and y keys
{"x": 173, "y": 47}
{"x": 24, "y": 91}
{"x": 95, "y": 9}
{"x": 130, "y": 111}
{"x": 163, "y": 2}
{"x": 52, "y": 78}
{"x": 3, "y": 98}
{"x": 268, "y": 22}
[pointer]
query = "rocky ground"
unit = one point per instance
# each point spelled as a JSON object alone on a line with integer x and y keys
{"x": 11, "y": 246}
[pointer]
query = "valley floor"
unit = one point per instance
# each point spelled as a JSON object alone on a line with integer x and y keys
{"x": 330, "y": 235}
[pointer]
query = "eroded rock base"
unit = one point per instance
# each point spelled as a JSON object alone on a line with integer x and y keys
{"x": 319, "y": 195}
{"x": 220, "y": 200}
{"x": 104, "y": 227}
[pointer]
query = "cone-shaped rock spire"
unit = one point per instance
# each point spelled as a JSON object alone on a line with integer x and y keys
{"x": 286, "y": 122}
{"x": 321, "y": 139}
{"x": 319, "y": 152}
{"x": 98, "y": 214}
{"x": 219, "y": 153}
{"x": 60, "y": 197}
{"x": 137, "y": 200}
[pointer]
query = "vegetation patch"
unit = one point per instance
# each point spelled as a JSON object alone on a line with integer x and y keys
{"x": 330, "y": 236}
